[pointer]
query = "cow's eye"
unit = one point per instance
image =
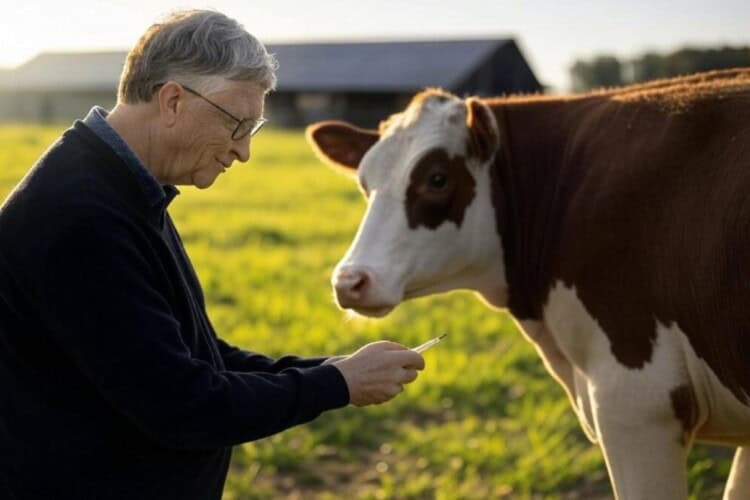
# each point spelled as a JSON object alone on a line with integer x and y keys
{"x": 438, "y": 181}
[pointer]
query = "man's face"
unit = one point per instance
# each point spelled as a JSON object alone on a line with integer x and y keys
{"x": 204, "y": 144}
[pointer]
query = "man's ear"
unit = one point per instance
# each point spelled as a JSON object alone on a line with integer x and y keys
{"x": 340, "y": 144}
{"x": 168, "y": 99}
{"x": 484, "y": 135}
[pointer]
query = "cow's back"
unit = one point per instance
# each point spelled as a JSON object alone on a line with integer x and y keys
{"x": 656, "y": 224}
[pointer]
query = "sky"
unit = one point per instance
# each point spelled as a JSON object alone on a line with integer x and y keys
{"x": 552, "y": 34}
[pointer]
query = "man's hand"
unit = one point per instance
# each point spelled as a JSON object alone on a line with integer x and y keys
{"x": 378, "y": 371}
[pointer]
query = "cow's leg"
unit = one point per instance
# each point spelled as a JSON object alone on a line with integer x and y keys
{"x": 645, "y": 410}
{"x": 644, "y": 445}
{"x": 738, "y": 484}
{"x": 554, "y": 360}
{"x": 562, "y": 370}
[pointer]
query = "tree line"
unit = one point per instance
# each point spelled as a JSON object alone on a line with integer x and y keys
{"x": 607, "y": 70}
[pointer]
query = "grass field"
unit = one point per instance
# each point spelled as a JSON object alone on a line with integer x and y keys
{"x": 484, "y": 420}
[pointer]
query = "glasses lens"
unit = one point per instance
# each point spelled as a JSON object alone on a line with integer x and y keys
{"x": 248, "y": 126}
{"x": 257, "y": 125}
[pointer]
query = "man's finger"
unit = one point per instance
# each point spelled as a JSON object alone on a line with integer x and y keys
{"x": 389, "y": 345}
{"x": 408, "y": 359}
{"x": 395, "y": 389}
{"x": 409, "y": 376}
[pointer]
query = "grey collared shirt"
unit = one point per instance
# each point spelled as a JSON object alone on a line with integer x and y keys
{"x": 157, "y": 195}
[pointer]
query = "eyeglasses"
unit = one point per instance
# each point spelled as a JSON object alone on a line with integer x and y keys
{"x": 245, "y": 126}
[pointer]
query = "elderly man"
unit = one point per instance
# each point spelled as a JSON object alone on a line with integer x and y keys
{"x": 113, "y": 383}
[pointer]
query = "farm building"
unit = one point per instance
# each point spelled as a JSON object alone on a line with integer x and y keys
{"x": 361, "y": 82}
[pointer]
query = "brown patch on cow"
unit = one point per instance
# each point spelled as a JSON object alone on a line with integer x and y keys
{"x": 440, "y": 189}
{"x": 686, "y": 410}
{"x": 679, "y": 94}
{"x": 718, "y": 79}
{"x": 644, "y": 211}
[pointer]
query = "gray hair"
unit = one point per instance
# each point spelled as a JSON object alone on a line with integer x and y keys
{"x": 194, "y": 47}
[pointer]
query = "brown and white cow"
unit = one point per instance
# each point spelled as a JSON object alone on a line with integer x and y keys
{"x": 615, "y": 226}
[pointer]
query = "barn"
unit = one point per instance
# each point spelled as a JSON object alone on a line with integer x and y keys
{"x": 60, "y": 87}
{"x": 363, "y": 82}
{"x": 356, "y": 81}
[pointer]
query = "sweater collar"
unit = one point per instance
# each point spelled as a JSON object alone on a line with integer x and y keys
{"x": 158, "y": 196}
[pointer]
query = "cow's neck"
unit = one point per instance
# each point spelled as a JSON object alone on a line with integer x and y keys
{"x": 530, "y": 193}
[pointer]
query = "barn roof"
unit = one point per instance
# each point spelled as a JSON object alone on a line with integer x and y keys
{"x": 68, "y": 71}
{"x": 380, "y": 66}
{"x": 404, "y": 66}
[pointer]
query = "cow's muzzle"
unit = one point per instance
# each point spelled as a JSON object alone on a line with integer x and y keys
{"x": 355, "y": 288}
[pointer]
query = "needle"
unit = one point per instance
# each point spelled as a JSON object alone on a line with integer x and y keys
{"x": 429, "y": 343}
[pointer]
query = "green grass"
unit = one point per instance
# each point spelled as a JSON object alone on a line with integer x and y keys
{"x": 484, "y": 420}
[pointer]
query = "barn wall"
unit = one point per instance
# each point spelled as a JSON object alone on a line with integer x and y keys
{"x": 505, "y": 72}
{"x": 51, "y": 106}
{"x": 298, "y": 109}
{"x": 368, "y": 110}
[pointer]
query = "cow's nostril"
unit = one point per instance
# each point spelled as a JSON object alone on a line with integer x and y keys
{"x": 361, "y": 283}
{"x": 352, "y": 286}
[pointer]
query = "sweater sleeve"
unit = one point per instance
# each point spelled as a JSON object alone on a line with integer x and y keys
{"x": 240, "y": 360}
{"x": 101, "y": 299}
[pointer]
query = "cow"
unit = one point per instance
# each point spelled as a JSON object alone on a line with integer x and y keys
{"x": 613, "y": 225}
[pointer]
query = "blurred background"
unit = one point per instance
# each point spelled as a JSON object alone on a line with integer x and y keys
{"x": 363, "y": 60}
{"x": 484, "y": 420}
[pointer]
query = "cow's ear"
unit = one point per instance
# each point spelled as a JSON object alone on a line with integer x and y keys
{"x": 484, "y": 135}
{"x": 340, "y": 144}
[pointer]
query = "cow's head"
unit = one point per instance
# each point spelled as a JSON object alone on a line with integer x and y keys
{"x": 430, "y": 220}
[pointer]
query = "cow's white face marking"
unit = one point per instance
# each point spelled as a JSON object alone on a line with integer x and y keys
{"x": 405, "y": 254}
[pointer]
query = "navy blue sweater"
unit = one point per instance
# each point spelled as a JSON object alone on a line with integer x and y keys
{"x": 113, "y": 383}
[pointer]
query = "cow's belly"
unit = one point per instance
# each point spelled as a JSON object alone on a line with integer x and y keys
{"x": 596, "y": 377}
{"x": 727, "y": 420}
